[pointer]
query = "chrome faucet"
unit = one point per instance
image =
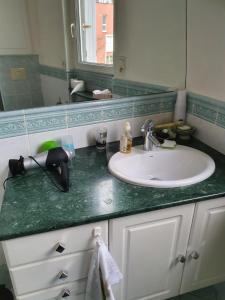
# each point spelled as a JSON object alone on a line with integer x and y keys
{"x": 150, "y": 139}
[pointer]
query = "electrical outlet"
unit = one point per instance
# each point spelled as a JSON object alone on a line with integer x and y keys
{"x": 18, "y": 74}
{"x": 122, "y": 64}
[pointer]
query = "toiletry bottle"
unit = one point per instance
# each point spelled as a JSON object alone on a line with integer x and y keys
{"x": 126, "y": 139}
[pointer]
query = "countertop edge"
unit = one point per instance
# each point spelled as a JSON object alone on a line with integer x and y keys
{"x": 115, "y": 215}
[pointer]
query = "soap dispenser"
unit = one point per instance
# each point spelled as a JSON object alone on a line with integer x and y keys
{"x": 126, "y": 139}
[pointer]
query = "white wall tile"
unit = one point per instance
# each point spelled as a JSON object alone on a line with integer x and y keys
{"x": 36, "y": 139}
{"x": 208, "y": 133}
{"x": 84, "y": 136}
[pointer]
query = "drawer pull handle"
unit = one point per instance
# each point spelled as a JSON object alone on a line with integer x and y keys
{"x": 181, "y": 259}
{"x": 194, "y": 255}
{"x": 63, "y": 275}
{"x": 66, "y": 293}
{"x": 60, "y": 248}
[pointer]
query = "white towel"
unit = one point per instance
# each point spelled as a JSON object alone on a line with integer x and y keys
{"x": 103, "y": 273}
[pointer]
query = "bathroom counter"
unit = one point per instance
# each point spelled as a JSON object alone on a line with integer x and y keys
{"x": 33, "y": 205}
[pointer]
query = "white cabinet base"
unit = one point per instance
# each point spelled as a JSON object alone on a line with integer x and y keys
{"x": 146, "y": 248}
{"x": 208, "y": 241}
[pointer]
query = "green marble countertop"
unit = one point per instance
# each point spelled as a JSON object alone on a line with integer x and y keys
{"x": 32, "y": 205}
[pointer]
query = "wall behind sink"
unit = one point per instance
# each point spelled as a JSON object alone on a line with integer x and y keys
{"x": 206, "y": 70}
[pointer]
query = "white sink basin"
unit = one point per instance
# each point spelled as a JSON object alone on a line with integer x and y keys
{"x": 162, "y": 168}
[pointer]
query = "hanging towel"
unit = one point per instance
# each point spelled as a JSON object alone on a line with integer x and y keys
{"x": 103, "y": 273}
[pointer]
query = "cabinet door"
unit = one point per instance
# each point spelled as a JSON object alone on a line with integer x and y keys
{"x": 206, "y": 251}
{"x": 148, "y": 249}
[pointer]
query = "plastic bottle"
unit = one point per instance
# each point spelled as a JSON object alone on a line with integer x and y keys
{"x": 126, "y": 139}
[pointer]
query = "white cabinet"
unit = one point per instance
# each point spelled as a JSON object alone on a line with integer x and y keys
{"x": 150, "y": 250}
{"x": 43, "y": 266}
{"x": 161, "y": 254}
{"x": 205, "y": 263}
{"x": 148, "y": 247}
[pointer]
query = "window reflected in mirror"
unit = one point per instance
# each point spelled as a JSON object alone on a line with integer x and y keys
{"x": 95, "y": 28}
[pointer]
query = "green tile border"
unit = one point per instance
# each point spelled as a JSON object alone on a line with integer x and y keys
{"x": 37, "y": 120}
{"x": 12, "y": 124}
{"x": 133, "y": 88}
{"x": 44, "y": 119}
{"x": 53, "y": 72}
{"x": 118, "y": 86}
{"x": 206, "y": 108}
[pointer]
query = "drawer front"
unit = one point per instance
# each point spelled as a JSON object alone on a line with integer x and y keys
{"x": 43, "y": 297}
{"x": 44, "y": 275}
{"x": 76, "y": 291}
{"x": 43, "y": 246}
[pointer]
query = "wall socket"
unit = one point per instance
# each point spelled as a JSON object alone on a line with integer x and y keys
{"x": 122, "y": 61}
{"x": 18, "y": 74}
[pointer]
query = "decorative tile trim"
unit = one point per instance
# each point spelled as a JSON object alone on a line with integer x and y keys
{"x": 206, "y": 108}
{"x": 53, "y": 72}
{"x": 133, "y": 88}
{"x": 72, "y": 115}
{"x": 37, "y": 120}
{"x": 117, "y": 112}
{"x": 12, "y": 124}
{"x": 78, "y": 117}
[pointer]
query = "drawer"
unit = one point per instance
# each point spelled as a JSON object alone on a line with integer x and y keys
{"x": 43, "y": 246}
{"x": 76, "y": 290}
{"x": 44, "y": 275}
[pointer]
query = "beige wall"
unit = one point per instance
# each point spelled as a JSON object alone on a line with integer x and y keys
{"x": 151, "y": 34}
{"x": 33, "y": 27}
{"x": 47, "y": 31}
{"x": 14, "y": 31}
{"x": 206, "y": 48}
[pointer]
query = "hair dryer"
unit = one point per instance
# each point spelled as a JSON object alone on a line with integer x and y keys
{"x": 55, "y": 160}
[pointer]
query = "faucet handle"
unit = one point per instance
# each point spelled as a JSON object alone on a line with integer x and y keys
{"x": 147, "y": 126}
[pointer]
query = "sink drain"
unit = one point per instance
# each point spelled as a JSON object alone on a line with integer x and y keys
{"x": 153, "y": 178}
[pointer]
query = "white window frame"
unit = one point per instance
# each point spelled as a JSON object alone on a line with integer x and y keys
{"x": 95, "y": 67}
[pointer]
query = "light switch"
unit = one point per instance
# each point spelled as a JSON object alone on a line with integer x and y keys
{"x": 18, "y": 74}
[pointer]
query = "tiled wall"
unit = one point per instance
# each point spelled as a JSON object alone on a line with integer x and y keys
{"x": 208, "y": 116}
{"x": 80, "y": 114}
{"x": 53, "y": 72}
{"x": 95, "y": 80}
{"x": 121, "y": 87}
{"x": 18, "y": 94}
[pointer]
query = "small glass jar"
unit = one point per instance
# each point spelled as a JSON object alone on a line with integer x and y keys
{"x": 101, "y": 138}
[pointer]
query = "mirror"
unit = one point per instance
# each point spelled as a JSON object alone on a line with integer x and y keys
{"x": 39, "y": 57}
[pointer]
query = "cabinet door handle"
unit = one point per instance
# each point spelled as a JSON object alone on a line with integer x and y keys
{"x": 60, "y": 247}
{"x": 66, "y": 293}
{"x": 62, "y": 275}
{"x": 181, "y": 259}
{"x": 194, "y": 255}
